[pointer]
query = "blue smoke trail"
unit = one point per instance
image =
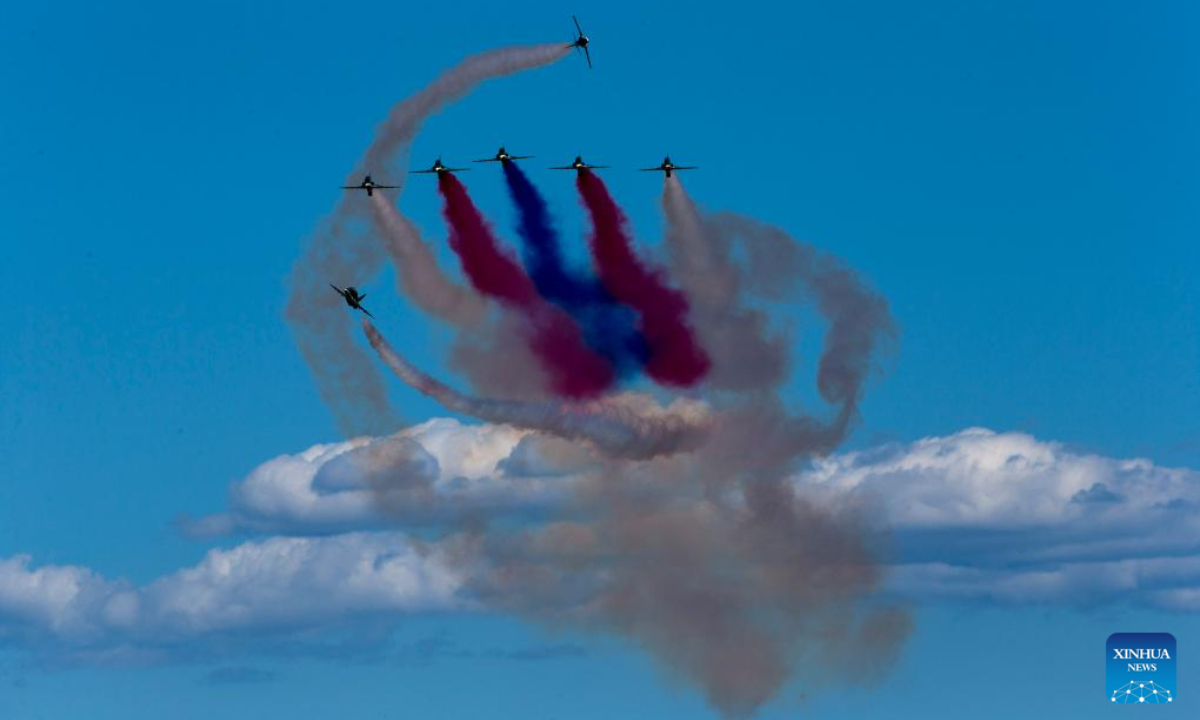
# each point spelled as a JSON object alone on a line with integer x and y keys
{"x": 608, "y": 326}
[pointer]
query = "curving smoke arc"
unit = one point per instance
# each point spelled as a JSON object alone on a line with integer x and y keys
{"x": 614, "y": 429}
{"x": 341, "y": 251}
{"x": 859, "y": 321}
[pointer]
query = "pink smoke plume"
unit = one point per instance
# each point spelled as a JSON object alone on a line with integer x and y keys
{"x": 675, "y": 356}
{"x": 575, "y": 370}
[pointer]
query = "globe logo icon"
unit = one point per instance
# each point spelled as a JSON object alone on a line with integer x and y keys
{"x": 1142, "y": 692}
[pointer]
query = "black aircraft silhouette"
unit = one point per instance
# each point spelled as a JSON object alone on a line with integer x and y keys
{"x": 352, "y": 298}
{"x": 502, "y": 156}
{"x": 668, "y": 167}
{"x": 579, "y": 164}
{"x": 581, "y": 42}
{"x": 370, "y": 186}
{"x": 438, "y": 168}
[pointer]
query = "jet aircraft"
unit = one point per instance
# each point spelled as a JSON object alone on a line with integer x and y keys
{"x": 581, "y": 42}
{"x": 370, "y": 186}
{"x": 502, "y": 156}
{"x": 352, "y": 298}
{"x": 438, "y": 168}
{"x": 668, "y": 167}
{"x": 579, "y": 164}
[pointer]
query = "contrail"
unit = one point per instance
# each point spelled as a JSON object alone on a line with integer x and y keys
{"x": 746, "y": 355}
{"x": 347, "y": 380}
{"x": 675, "y": 357}
{"x": 401, "y": 125}
{"x": 608, "y": 326}
{"x": 575, "y": 370}
{"x": 417, "y": 272}
{"x": 613, "y": 429}
{"x": 859, "y": 318}
{"x": 341, "y": 253}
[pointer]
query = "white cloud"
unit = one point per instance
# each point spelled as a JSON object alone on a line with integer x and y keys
{"x": 278, "y": 583}
{"x": 975, "y": 516}
{"x": 1006, "y": 517}
{"x": 68, "y": 602}
{"x": 419, "y": 474}
{"x": 980, "y": 478}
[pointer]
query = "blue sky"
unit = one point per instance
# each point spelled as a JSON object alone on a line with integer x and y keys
{"x": 1016, "y": 178}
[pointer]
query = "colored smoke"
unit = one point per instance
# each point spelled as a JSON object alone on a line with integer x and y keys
{"x": 574, "y": 369}
{"x": 608, "y": 326}
{"x": 685, "y": 533}
{"x": 675, "y": 357}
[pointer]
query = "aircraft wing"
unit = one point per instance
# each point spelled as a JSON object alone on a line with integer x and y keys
{"x": 353, "y": 187}
{"x": 686, "y": 167}
{"x": 653, "y": 169}
{"x": 421, "y": 172}
{"x": 387, "y": 187}
{"x": 588, "y": 55}
{"x": 458, "y": 169}
{"x": 487, "y": 160}
{"x": 595, "y": 167}
{"x": 368, "y": 312}
{"x": 564, "y": 167}
{"x": 577, "y": 24}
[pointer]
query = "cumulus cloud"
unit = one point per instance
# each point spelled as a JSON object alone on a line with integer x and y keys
{"x": 975, "y": 516}
{"x": 277, "y": 584}
{"x": 422, "y": 474}
{"x": 1010, "y": 518}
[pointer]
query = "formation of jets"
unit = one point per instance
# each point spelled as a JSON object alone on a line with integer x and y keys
{"x": 581, "y": 41}
{"x": 502, "y": 156}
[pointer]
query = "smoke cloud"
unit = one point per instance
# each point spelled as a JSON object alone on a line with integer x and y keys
{"x": 575, "y": 370}
{"x": 340, "y": 252}
{"x": 615, "y": 428}
{"x": 683, "y": 531}
{"x": 607, "y": 325}
{"x": 746, "y": 353}
{"x": 675, "y": 358}
{"x": 417, "y": 273}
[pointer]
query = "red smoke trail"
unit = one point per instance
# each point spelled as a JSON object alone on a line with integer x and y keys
{"x": 575, "y": 370}
{"x": 676, "y": 358}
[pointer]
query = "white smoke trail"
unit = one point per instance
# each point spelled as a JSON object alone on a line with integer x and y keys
{"x": 746, "y": 355}
{"x": 346, "y": 378}
{"x": 417, "y": 273}
{"x": 615, "y": 429}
